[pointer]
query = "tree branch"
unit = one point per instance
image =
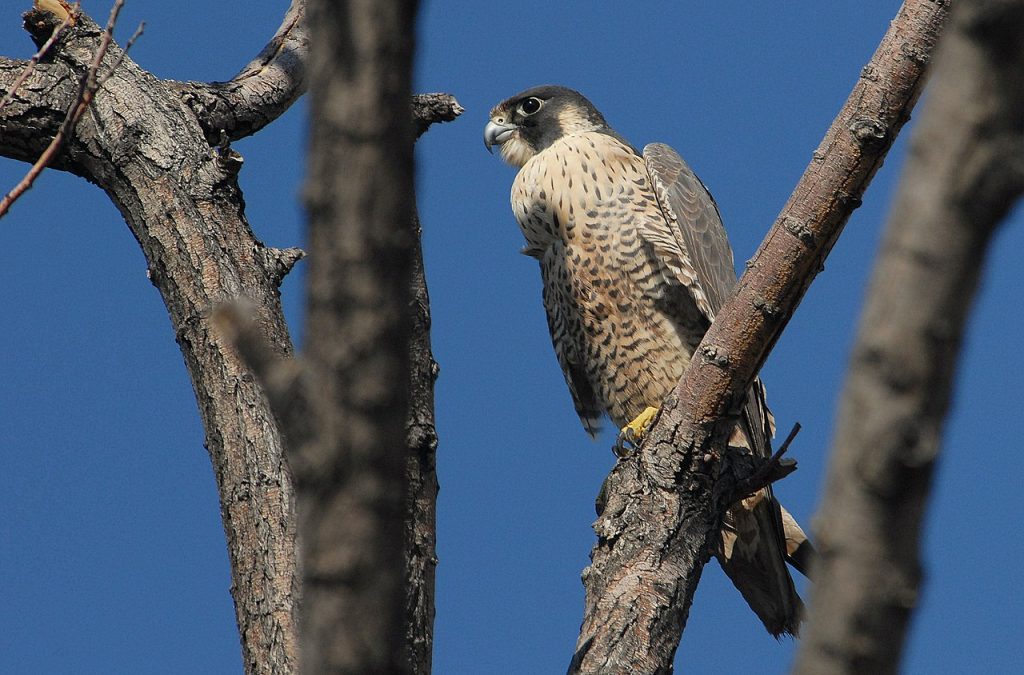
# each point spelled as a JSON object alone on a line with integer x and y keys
{"x": 30, "y": 66}
{"x": 261, "y": 91}
{"x": 430, "y": 108}
{"x": 181, "y": 199}
{"x": 964, "y": 172}
{"x": 290, "y": 389}
{"x": 87, "y": 86}
{"x": 664, "y": 505}
{"x": 421, "y": 477}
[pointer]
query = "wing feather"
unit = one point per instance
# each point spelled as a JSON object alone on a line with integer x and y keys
{"x": 692, "y": 244}
{"x": 691, "y": 241}
{"x": 564, "y": 324}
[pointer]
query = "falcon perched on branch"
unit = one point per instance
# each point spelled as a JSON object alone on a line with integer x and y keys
{"x": 635, "y": 263}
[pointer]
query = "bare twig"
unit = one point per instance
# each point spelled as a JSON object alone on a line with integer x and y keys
{"x": 86, "y": 91}
{"x": 31, "y": 65}
{"x": 771, "y": 471}
{"x": 789, "y": 440}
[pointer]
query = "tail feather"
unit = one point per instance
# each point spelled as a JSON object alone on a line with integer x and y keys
{"x": 752, "y": 558}
{"x": 756, "y": 535}
{"x": 800, "y": 552}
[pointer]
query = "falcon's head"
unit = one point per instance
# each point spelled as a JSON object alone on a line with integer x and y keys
{"x": 532, "y": 120}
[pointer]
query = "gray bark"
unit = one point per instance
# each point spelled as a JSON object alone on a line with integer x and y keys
{"x": 421, "y": 479}
{"x": 964, "y": 172}
{"x": 150, "y": 145}
{"x": 146, "y": 149}
{"x": 664, "y": 505}
{"x": 261, "y": 91}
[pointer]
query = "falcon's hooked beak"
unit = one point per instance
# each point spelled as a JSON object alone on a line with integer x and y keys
{"x": 496, "y": 134}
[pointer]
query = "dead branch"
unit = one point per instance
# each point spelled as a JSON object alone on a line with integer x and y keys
{"x": 261, "y": 91}
{"x": 190, "y": 223}
{"x": 771, "y": 471}
{"x": 421, "y": 476}
{"x": 430, "y": 108}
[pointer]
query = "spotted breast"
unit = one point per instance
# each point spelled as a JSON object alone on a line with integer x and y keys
{"x": 622, "y": 326}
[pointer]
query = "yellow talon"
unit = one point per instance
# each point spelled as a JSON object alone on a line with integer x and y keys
{"x": 635, "y": 431}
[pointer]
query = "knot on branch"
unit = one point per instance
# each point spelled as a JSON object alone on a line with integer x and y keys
{"x": 421, "y": 438}
{"x": 280, "y": 261}
{"x": 848, "y": 201}
{"x": 869, "y": 133}
{"x": 765, "y": 307}
{"x": 916, "y": 53}
{"x": 800, "y": 230}
{"x": 869, "y": 73}
{"x": 714, "y": 357}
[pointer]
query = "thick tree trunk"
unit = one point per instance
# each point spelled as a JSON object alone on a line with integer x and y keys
{"x": 964, "y": 172}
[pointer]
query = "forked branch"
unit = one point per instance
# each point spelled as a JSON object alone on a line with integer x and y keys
{"x": 665, "y": 504}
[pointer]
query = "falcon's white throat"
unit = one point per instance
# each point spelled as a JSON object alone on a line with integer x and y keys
{"x": 516, "y": 151}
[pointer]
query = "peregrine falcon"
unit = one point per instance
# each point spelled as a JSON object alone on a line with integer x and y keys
{"x": 635, "y": 263}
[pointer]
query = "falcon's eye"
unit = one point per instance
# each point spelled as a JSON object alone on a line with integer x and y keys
{"x": 530, "y": 105}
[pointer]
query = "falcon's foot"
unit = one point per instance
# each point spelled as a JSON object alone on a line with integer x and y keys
{"x": 634, "y": 432}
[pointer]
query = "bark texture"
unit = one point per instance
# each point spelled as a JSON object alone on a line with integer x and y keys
{"x": 421, "y": 477}
{"x": 662, "y": 507}
{"x": 146, "y": 149}
{"x": 261, "y": 91}
{"x": 964, "y": 172}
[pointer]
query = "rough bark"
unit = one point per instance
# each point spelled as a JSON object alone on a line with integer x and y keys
{"x": 291, "y": 388}
{"x": 430, "y": 108}
{"x": 421, "y": 477}
{"x": 261, "y": 91}
{"x": 202, "y": 255}
{"x": 146, "y": 149}
{"x": 663, "y": 506}
{"x": 965, "y": 170}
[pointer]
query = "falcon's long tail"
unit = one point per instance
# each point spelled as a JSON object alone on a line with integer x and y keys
{"x": 754, "y": 560}
{"x": 759, "y": 536}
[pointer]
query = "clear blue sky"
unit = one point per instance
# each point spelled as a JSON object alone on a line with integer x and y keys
{"x": 112, "y": 556}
